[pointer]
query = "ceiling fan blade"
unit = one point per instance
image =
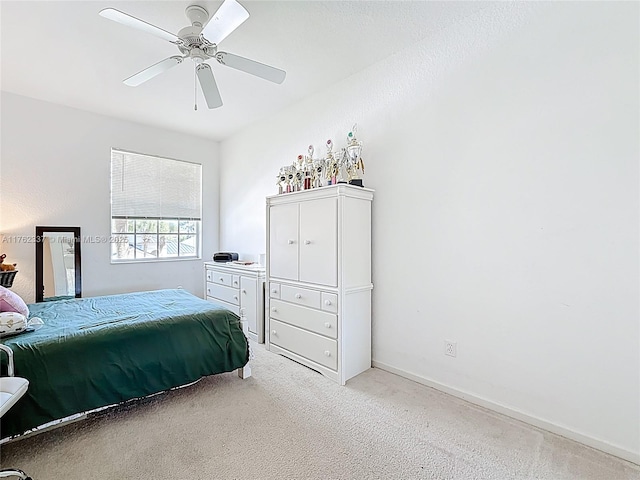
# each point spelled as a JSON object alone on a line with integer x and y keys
{"x": 129, "y": 21}
{"x": 229, "y": 16}
{"x": 209, "y": 87}
{"x": 261, "y": 70}
{"x": 150, "y": 72}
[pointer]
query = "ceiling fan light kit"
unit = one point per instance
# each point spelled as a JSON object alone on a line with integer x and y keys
{"x": 199, "y": 42}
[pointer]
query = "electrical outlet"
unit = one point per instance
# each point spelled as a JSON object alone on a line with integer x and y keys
{"x": 450, "y": 348}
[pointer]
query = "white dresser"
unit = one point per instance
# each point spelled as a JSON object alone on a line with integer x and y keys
{"x": 238, "y": 287}
{"x": 319, "y": 279}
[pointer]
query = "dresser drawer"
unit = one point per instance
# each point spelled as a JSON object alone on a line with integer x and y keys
{"x": 234, "y": 308}
{"x": 226, "y": 294}
{"x": 315, "y": 347}
{"x": 220, "y": 278}
{"x": 301, "y": 296}
{"x": 274, "y": 290}
{"x": 329, "y": 302}
{"x": 209, "y": 275}
{"x": 320, "y": 322}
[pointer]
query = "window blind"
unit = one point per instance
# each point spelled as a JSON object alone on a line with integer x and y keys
{"x": 154, "y": 187}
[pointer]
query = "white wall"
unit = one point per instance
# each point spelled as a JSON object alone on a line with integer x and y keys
{"x": 504, "y": 155}
{"x": 56, "y": 171}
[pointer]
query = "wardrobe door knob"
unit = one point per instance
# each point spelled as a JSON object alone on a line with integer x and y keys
{"x": 244, "y": 291}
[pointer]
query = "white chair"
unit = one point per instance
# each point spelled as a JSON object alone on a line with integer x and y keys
{"x": 11, "y": 389}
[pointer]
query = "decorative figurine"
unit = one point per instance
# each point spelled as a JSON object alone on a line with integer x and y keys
{"x": 331, "y": 165}
{"x": 298, "y": 174}
{"x": 342, "y": 166}
{"x": 291, "y": 173}
{"x": 319, "y": 167}
{"x": 355, "y": 162}
{"x": 282, "y": 179}
{"x": 308, "y": 168}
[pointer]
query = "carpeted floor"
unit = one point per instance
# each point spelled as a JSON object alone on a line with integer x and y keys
{"x": 288, "y": 422}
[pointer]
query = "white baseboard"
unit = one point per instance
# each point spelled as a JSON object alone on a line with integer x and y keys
{"x": 566, "y": 432}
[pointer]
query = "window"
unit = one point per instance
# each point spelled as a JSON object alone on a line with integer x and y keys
{"x": 156, "y": 206}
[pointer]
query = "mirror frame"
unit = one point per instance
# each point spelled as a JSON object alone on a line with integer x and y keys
{"x": 40, "y": 231}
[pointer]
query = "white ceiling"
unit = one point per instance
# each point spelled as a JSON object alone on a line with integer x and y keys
{"x": 64, "y": 52}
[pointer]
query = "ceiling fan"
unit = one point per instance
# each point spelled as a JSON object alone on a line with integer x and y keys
{"x": 199, "y": 42}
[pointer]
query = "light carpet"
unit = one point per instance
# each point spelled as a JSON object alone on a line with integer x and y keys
{"x": 289, "y": 422}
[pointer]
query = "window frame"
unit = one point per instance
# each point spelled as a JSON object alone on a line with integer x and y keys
{"x": 197, "y": 234}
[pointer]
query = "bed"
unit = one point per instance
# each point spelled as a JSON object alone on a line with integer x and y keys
{"x": 101, "y": 351}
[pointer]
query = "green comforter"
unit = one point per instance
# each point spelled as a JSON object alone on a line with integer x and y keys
{"x": 94, "y": 352}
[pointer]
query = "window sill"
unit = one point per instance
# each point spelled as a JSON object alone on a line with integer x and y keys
{"x": 156, "y": 260}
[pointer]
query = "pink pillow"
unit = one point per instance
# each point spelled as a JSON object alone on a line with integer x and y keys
{"x": 11, "y": 302}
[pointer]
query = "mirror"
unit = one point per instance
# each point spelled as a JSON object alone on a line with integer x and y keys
{"x": 58, "y": 272}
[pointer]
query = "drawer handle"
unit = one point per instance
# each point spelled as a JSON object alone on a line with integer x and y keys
{"x": 222, "y": 279}
{"x": 235, "y": 297}
{"x": 327, "y": 302}
{"x": 273, "y": 332}
{"x": 298, "y": 295}
{"x": 327, "y": 324}
{"x": 307, "y": 242}
{"x": 275, "y": 290}
{"x": 274, "y": 309}
{"x": 235, "y": 283}
{"x": 290, "y": 242}
{"x": 327, "y": 353}
{"x": 208, "y": 290}
{"x": 244, "y": 291}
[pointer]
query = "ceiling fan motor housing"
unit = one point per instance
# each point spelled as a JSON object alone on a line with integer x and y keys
{"x": 194, "y": 45}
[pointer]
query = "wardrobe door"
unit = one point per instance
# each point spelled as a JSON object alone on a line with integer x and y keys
{"x": 283, "y": 241}
{"x": 319, "y": 241}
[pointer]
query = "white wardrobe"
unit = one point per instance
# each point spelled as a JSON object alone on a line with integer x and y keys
{"x": 319, "y": 279}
